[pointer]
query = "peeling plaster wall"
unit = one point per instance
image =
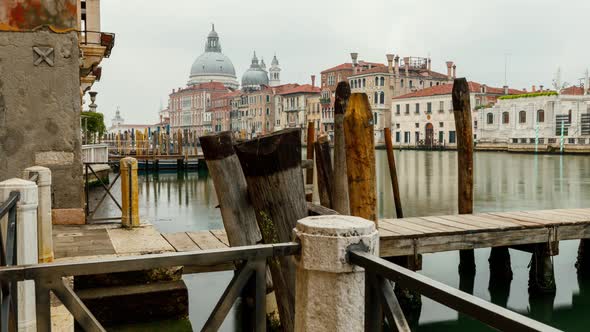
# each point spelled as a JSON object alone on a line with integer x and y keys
{"x": 40, "y": 110}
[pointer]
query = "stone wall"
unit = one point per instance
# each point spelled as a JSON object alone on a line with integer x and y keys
{"x": 40, "y": 109}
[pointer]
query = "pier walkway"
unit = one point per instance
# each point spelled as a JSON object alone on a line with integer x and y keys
{"x": 418, "y": 235}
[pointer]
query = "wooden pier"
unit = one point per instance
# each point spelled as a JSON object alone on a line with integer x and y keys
{"x": 420, "y": 235}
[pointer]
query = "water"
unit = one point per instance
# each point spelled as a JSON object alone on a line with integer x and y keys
{"x": 428, "y": 185}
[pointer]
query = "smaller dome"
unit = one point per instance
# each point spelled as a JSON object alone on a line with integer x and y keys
{"x": 255, "y": 76}
{"x": 275, "y": 61}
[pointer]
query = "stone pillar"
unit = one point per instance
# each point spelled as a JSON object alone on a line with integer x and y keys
{"x": 26, "y": 244}
{"x": 129, "y": 192}
{"x": 330, "y": 292}
{"x": 44, "y": 226}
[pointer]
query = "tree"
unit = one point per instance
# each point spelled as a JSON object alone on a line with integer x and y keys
{"x": 93, "y": 126}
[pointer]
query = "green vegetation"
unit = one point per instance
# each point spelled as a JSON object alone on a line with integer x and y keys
{"x": 483, "y": 106}
{"x": 93, "y": 125}
{"x": 530, "y": 95}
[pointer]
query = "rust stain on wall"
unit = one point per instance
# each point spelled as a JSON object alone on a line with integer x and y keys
{"x": 23, "y": 15}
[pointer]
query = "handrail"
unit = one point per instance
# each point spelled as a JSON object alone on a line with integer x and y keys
{"x": 486, "y": 312}
{"x": 9, "y": 203}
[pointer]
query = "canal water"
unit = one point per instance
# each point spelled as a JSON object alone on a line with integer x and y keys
{"x": 176, "y": 202}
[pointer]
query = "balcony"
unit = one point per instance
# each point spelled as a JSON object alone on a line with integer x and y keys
{"x": 94, "y": 46}
{"x": 325, "y": 101}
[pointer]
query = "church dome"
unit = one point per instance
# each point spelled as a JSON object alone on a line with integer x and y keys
{"x": 255, "y": 76}
{"x": 213, "y": 66}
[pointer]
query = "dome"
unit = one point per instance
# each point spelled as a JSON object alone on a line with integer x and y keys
{"x": 255, "y": 76}
{"x": 212, "y": 65}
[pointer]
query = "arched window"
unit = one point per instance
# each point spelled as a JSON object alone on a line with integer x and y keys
{"x": 382, "y": 98}
{"x": 382, "y": 81}
{"x": 411, "y": 84}
{"x": 376, "y": 81}
{"x": 401, "y": 83}
{"x": 376, "y": 100}
{"x": 364, "y": 82}
{"x": 540, "y": 116}
{"x": 505, "y": 117}
{"x": 490, "y": 118}
{"x": 522, "y": 117}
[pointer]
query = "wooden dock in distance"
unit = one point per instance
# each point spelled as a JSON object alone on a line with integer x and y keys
{"x": 420, "y": 235}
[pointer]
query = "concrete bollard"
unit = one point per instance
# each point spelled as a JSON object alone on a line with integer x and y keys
{"x": 26, "y": 244}
{"x": 129, "y": 192}
{"x": 330, "y": 292}
{"x": 44, "y": 226}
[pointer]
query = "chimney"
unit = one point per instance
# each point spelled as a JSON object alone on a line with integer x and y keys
{"x": 396, "y": 65}
{"x": 407, "y": 65}
{"x": 505, "y": 89}
{"x": 389, "y": 62}
{"x": 429, "y": 65}
{"x": 540, "y": 87}
{"x": 354, "y": 57}
{"x": 313, "y": 81}
{"x": 449, "y": 68}
{"x": 454, "y": 71}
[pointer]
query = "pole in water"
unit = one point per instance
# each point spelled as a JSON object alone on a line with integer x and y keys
{"x": 340, "y": 201}
{"x": 537, "y": 137}
{"x": 561, "y": 139}
{"x": 393, "y": 173}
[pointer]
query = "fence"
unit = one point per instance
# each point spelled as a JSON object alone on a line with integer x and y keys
{"x": 8, "y": 307}
{"x": 95, "y": 153}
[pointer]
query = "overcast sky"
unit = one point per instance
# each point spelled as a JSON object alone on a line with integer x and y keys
{"x": 157, "y": 41}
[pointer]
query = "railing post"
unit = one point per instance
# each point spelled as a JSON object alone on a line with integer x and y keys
{"x": 26, "y": 244}
{"x": 129, "y": 192}
{"x": 44, "y": 226}
{"x": 330, "y": 292}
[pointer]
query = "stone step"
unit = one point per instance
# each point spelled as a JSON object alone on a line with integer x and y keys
{"x": 137, "y": 303}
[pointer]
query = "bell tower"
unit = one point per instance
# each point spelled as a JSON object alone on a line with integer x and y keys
{"x": 274, "y": 72}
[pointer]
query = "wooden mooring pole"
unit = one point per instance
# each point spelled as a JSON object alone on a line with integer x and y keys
{"x": 340, "y": 201}
{"x": 323, "y": 162}
{"x": 393, "y": 173}
{"x": 360, "y": 157}
{"x": 464, "y": 133}
{"x": 272, "y": 167}
{"x": 309, "y": 171}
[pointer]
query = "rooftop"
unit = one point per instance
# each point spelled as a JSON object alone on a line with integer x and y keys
{"x": 447, "y": 89}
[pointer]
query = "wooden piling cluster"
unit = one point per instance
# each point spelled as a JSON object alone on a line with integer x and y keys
{"x": 156, "y": 143}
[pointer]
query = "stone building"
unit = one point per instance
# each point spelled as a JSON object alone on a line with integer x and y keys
{"x": 296, "y": 103}
{"x": 48, "y": 62}
{"x": 213, "y": 66}
{"x": 424, "y": 118}
{"x": 222, "y": 107}
{"x": 400, "y": 76}
{"x": 329, "y": 80}
{"x": 538, "y": 117}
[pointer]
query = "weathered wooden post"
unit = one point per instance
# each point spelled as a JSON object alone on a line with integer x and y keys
{"x": 360, "y": 157}
{"x": 26, "y": 244}
{"x": 464, "y": 130}
{"x": 309, "y": 152}
{"x": 583, "y": 259}
{"x": 129, "y": 192}
{"x": 272, "y": 167}
{"x": 44, "y": 226}
{"x": 330, "y": 292}
{"x": 340, "y": 200}
{"x": 323, "y": 163}
{"x": 239, "y": 218}
{"x": 393, "y": 173}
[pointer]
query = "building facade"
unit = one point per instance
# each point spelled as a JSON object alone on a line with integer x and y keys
{"x": 538, "y": 118}
{"x": 425, "y": 118}
{"x": 400, "y": 76}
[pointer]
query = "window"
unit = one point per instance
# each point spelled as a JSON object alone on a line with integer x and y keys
{"x": 429, "y": 107}
{"x": 397, "y": 109}
{"x": 522, "y": 117}
{"x": 401, "y": 82}
{"x": 407, "y": 108}
{"x": 441, "y": 124}
{"x": 267, "y": 98}
{"x": 417, "y": 125}
{"x": 490, "y": 118}
{"x": 411, "y": 84}
{"x": 267, "y": 111}
{"x": 417, "y": 137}
{"x": 397, "y": 125}
{"x": 441, "y": 136}
{"x": 376, "y": 81}
{"x": 397, "y": 136}
{"x": 441, "y": 106}
{"x": 452, "y": 137}
{"x": 417, "y": 108}
{"x": 364, "y": 82}
{"x": 406, "y": 137}
{"x": 375, "y": 118}
{"x": 562, "y": 121}
{"x": 505, "y": 117}
{"x": 382, "y": 81}
{"x": 382, "y": 98}
{"x": 540, "y": 116}
{"x": 376, "y": 100}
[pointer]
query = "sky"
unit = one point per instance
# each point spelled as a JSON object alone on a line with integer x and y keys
{"x": 157, "y": 41}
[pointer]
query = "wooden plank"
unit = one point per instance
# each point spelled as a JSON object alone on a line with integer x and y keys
{"x": 480, "y": 224}
{"x": 497, "y": 222}
{"x": 576, "y": 212}
{"x": 180, "y": 241}
{"x": 431, "y": 225}
{"x": 408, "y": 224}
{"x": 517, "y": 215}
{"x": 513, "y": 220}
{"x": 205, "y": 240}
{"x": 546, "y": 216}
{"x": 318, "y": 210}
{"x": 396, "y": 229}
{"x": 384, "y": 232}
{"x": 451, "y": 223}
{"x": 221, "y": 236}
{"x": 563, "y": 216}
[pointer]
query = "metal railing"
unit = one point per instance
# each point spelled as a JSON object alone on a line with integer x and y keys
{"x": 88, "y": 210}
{"x": 251, "y": 260}
{"x": 379, "y": 296}
{"x": 8, "y": 288}
{"x": 94, "y": 153}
